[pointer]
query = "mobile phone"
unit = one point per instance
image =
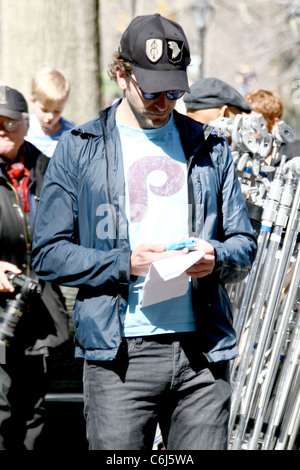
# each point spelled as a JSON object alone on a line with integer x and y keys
{"x": 189, "y": 243}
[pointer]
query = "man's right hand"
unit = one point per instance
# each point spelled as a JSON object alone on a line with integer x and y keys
{"x": 145, "y": 254}
{"x": 5, "y": 285}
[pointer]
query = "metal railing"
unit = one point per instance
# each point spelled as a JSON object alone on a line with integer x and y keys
{"x": 265, "y": 410}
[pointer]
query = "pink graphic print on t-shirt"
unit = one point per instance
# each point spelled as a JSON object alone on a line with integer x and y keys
{"x": 137, "y": 183}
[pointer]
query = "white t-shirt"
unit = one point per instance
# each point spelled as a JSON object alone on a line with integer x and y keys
{"x": 156, "y": 195}
{"x": 46, "y": 143}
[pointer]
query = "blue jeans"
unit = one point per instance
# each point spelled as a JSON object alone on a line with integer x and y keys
{"x": 162, "y": 379}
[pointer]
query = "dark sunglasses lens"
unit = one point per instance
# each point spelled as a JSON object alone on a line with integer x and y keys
{"x": 171, "y": 95}
{"x": 11, "y": 126}
{"x": 175, "y": 94}
{"x": 150, "y": 96}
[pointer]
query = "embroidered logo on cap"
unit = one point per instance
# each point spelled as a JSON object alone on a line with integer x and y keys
{"x": 175, "y": 51}
{"x": 154, "y": 49}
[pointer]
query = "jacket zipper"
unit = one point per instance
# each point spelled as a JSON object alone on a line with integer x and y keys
{"x": 116, "y": 228}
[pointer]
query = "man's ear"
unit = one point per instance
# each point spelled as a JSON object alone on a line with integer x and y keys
{"x": 121, "y": 78}
{"x": 224, "y": 112}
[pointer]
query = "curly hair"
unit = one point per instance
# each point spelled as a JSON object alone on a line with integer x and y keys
{"x": 122, "y": 63}
{"x": 267, "y": 103}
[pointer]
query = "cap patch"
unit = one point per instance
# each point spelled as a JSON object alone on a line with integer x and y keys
{"x": 154, "y": 49}
{"x": 175, "y": 51}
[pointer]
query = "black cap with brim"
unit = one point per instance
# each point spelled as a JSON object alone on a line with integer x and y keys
{"x": 158, "y": 52}
{"x": 9, "y": 114}
{"x": 213, "y": 93}
{"x": 12, "y": 103}
{"x": 153, "y": 81}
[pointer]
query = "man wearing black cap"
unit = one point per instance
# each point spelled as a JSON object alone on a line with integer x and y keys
{"x": 43, "y": 324}
{"x": 131, "y": 183}
{"x": 211, "y": 98}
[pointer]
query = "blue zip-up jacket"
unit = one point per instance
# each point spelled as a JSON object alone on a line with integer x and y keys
{"x": 83, "y": 190}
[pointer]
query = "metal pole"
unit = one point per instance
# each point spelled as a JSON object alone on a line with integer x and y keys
{"x": 269, "y": 217}
{"x": 270, "y": 314}
{"x": 288, "y": 245}
{"x": 285, "y": 380}
{"x": 290, "y": 427}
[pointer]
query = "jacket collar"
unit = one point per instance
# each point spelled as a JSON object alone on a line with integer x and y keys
{"x": 193, "y": 134}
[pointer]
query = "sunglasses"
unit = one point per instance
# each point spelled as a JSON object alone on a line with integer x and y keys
{"x": 11, "y": 125}
{"x": 171, "y": 94}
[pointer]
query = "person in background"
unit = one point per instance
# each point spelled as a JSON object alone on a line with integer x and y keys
{"x": 44, "y": 324}
{"x": 126, "y": 182}
{"x": 5, "y": 285}
{"x": 270, "y": 105}
{"x": 49, "y": 93}
{"x": 211, "y": 98}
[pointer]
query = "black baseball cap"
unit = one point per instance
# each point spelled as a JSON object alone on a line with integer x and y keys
{"x": 212, "y": 92}
{"x": 158, "y": 52}
{"x": 12, "y": 103}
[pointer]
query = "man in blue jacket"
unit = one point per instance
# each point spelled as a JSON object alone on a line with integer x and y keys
{"x": 118, "y": 191}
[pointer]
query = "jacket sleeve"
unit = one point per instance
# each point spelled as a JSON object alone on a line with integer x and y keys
{"x": 236, "y": 245}
{"x": 56, "y": 253}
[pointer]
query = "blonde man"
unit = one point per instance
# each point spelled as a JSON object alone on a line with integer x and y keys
{"x": 49, "y": 94}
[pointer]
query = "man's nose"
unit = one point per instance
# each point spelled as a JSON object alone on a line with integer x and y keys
{"x": 162, "y": 101}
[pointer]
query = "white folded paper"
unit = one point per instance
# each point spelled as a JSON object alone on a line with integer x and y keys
{"x": 167, "y": 278}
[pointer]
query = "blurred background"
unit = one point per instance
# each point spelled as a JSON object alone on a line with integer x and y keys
{"x": 247, "y": 43}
